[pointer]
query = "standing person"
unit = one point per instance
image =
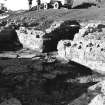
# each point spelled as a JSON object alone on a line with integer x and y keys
{"x": 98, "y": 3}
{"x": 38, "y": 4}
{"x": 30, "y": 4}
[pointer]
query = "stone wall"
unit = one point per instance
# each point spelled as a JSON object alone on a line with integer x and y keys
{"x": 87, "y": 47}
{"x": 47, "y": 41}
{"x": 31, "y": 39}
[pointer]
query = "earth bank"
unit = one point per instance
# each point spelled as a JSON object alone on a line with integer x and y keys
{"x": 42, "y": 79}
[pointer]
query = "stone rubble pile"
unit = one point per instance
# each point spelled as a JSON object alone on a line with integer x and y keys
{"x": 87, "y": 47}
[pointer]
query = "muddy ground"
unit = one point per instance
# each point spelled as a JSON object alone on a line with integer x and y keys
{"x": 37, "y": 82}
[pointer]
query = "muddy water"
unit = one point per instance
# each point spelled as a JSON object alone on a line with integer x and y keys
{"x": 43, "y": 83}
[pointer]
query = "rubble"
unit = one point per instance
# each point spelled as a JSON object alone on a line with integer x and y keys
{"x": 87, "y": 47}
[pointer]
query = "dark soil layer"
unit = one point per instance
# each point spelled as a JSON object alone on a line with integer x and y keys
{"x": 42, "y": 83}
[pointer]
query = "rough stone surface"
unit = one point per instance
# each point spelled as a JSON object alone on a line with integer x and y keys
{"x": 62, "y": 46}
{"x": 31, "y": 39}
{"x": 99, "y": 93}
{"x": 94, "y": 96}
{"x": 87, "y": 47}
{"x": 54, "y": 25}
{"x": 9, "y": 40}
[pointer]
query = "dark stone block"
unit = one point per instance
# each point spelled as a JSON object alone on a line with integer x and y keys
{"x": 9, "y": 40}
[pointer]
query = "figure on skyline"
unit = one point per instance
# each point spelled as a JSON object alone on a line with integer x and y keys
{"x": 30, "y": 4}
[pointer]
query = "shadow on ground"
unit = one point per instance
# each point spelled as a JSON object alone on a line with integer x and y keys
{"x": 36, "y": 87}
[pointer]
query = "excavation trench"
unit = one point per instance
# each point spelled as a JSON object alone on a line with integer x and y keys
{"x": 40, "y": 82}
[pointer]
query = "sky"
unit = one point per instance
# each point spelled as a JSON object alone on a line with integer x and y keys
{"x": 19, "y": 4}
{"x": 16, "y": 4}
